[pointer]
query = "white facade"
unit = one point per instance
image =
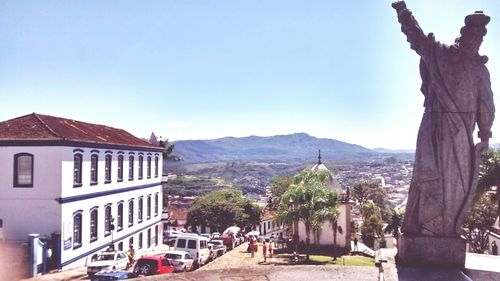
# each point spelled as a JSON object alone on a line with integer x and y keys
{"x": 326, "y": 232}
{"x": 270, "y": 227}
{"x": 50, "y": 205}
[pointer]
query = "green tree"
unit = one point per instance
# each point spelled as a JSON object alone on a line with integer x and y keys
{"x": 489, "y": 175}
{"x": 479, "y": 218}
{"x": 303, "y": 200}
{"x": 372, "y": 223}
{"x": 371, "y": 190}
{"x": 486, "y": 205}
{"x": 394, "y": 225}
{"x": 168, "y": 149}
{"x": 223, "y": 208}
{"x": 279, "y": 185}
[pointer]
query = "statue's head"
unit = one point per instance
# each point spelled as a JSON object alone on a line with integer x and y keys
{"x": 473, "y": 32}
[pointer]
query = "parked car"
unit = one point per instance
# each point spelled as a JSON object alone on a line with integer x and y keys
{"x": 151, "y": 265}
{"x": 106, "y": 261}
{"x": 196, "y": 246}
{"x": 181, "y": 260}
{"x": 218, "y": 246}
{"x": 206, "y": 235}
{"x": 105, "y": 275}
{"x": 170, "y": 241}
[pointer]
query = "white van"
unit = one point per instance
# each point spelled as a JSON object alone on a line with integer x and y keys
{"x": 195, "y": 245}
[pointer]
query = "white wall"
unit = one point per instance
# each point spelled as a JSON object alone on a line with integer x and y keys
{"x": 31, "y": 209}
{"x": 37, "y": 210}
{"x": 326, "y": 235}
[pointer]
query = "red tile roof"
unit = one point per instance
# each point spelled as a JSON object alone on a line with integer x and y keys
{"x": 40, "y": 127}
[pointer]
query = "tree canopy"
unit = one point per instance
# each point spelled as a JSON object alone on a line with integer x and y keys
{"x": 372, "y": 223}
{"x": 168, "y": 150}
{"x": 364, "y": 191}
{"x": 308, "y": 200}
{"x": 223, "y": 208}
{"x": 279, "y": 185}
{"x": 485, "y": 207}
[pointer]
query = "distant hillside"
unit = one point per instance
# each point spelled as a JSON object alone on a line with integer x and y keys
{"x": 385, "y": 150}
{"x": 294, "y": 147}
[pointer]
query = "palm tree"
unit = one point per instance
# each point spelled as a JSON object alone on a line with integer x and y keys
{"x": 303, "y": 200}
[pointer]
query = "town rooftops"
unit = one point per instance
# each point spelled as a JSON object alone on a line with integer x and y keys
{"x": 38, "y": 129}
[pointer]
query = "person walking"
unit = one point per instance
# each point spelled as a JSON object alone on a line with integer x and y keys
{"x": 264, "y": 250}
{"x": 270, "y": 249}
{"x": 355, "y": 244}
{"x": 252, "y": 247}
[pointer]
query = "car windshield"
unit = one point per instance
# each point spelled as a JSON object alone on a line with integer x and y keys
{"x": 106, "y": 257}
{"x": 173, "y": 256}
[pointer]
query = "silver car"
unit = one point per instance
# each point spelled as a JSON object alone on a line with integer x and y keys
{"x": 181, "y": 260}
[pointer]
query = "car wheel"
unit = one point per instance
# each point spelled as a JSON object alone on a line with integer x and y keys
{"x": 144, "y": 270}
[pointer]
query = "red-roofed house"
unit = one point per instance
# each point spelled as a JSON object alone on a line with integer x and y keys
{"x": 84, "y": 185}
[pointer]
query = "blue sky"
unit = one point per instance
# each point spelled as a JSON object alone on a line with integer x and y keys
{"x": 207, "y": 69}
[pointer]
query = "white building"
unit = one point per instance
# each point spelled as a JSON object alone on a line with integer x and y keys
{"x": 269, "y": 226}
{"x": 83, "y": 185}
{"x": 325, "y": 235}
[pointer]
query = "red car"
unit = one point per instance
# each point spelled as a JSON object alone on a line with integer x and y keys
{"x": 150, "y": 265}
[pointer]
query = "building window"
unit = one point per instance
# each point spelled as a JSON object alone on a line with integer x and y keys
{"x": 149, "y": 237}
{"x": 107, "y": 169}
{"x": 156, "y": 166}
{"x": 94, "y": 160}
{"x": 148, "y": 167}
{"x": 119, "y": 218}
{"x": 93, "y": 224}
{"x": 148, "y": 208}
{"x": 120, "y": 168}
{"x": 156, "y": 204}
{"x": 107, "y": 220}
{"x": 131, "y": 212}
{"x": 139, "y": 211}
{"x": 131, "y": 167}
{"x": 77, "y": 170}
{"x": 140, "y": 166}
{"x": 140, "y": 240}
{"x": 23, "y": 170}
{"x": 156, "y": 235}
{"x": 120, "y": 246}
{"x": 131, "y": 241}
{"x": 77, "y": 230}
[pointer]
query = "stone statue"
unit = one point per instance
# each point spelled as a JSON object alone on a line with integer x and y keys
{"x": 458, "y": 95}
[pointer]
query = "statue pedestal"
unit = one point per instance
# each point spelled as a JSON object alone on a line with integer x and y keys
{"x": 431, "y": 251}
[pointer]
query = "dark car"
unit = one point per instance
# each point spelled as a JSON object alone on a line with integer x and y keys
{"x": 105, "y": 275}
{"x": 150, "y": 265}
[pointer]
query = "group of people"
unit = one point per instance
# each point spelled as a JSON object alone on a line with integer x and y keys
{"x": 265, "y": 248}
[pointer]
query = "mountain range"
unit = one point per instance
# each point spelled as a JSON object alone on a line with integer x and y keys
{"x": 292, "y": 147}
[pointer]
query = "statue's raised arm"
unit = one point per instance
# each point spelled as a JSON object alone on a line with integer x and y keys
{"x": 409, "y": 26}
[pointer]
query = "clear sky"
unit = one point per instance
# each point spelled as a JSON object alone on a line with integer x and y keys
{"x": 206, "y": 69}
